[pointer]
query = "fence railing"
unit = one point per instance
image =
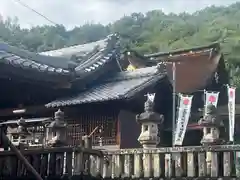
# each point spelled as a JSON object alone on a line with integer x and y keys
{"x": 213, "y": 161}
{"x": 49, "y": 161}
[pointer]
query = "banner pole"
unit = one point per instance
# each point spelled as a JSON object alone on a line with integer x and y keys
{"x": 173, "y": 102}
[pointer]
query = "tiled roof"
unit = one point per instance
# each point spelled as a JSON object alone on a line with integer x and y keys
{"x": 25, "y": 63}
{"x": 123, "y": 85}
{"x": 107, "y": 50}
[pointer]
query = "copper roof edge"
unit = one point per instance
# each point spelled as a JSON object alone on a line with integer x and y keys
{"x": 215, "y": 45}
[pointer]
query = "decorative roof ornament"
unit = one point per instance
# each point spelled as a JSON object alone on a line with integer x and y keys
{"x": 149, "y": 104}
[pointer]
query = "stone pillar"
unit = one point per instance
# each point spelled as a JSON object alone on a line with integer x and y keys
{"x": 57, "y": 130}
{"x": 149, "y": 120}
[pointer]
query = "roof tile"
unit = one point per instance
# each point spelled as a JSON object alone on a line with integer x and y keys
{"x": 124, "y": 85}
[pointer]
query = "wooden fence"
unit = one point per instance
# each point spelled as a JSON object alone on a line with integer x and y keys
{"x": 180, "y": 162}
{"x": 49, "y": 161}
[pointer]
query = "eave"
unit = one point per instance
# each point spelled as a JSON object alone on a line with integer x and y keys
{"x": 185, "y": 52}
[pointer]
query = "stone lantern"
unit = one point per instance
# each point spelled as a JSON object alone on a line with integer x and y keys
{"x": 149, "y": 121}
{"x": 57, "y": 130}
{"x": 20, "y": 135}
{"x": 211, "y": 124}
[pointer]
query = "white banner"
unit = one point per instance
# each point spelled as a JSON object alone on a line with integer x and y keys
{"x": 182, "y": 118}
{"x": 231, "y": 112}
{"x": 211, "y": 98}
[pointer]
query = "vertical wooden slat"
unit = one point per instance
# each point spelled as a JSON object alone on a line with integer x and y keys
{"x": 147, "y": 164}
{"x": 7, "y": 166}
{"x": 214, "y": 164}
{"x": 237, "y": 163}
{"x": 119, "y": 165}
{"x": 201, "y": 164}
{"x": 37, "y": 162}
{"x": 208, "y": 163}
{"x": 52, "y": 164}
{"x": 1, "y": 165}
{"x": 13, "y": 164}
{"x": 44, "y": 165}
{"x": 138, "y": 165}
{"x": 78, "y": 165}
{"x": 106, "y": 166}
{"x": 109, "y": 168}
{"x": 59, "y": 163}
{"x": 30, "y": 160}
{"x": 168, "y": 165}
{"x": 93, "y": 165}
{"x": 114, "y": 167}
{"x": 190, "y": 165}
{"x": 19, "y": 168}
{"x": 69, "y": 161}
{"x": 100, "y": 165}
{"x": 178, "y": 164}
{"x": 227, "y": 166}
{"x": 127, "y": 165}
{"x": 156, "y": 165}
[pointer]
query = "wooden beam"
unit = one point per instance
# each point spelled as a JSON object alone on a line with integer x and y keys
{"x": 29, "y": 110}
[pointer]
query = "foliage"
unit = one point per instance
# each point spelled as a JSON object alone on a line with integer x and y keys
{"x": 147, "y": 33}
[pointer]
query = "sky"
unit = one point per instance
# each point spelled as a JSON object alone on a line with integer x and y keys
{"x": 73, "y": 13}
